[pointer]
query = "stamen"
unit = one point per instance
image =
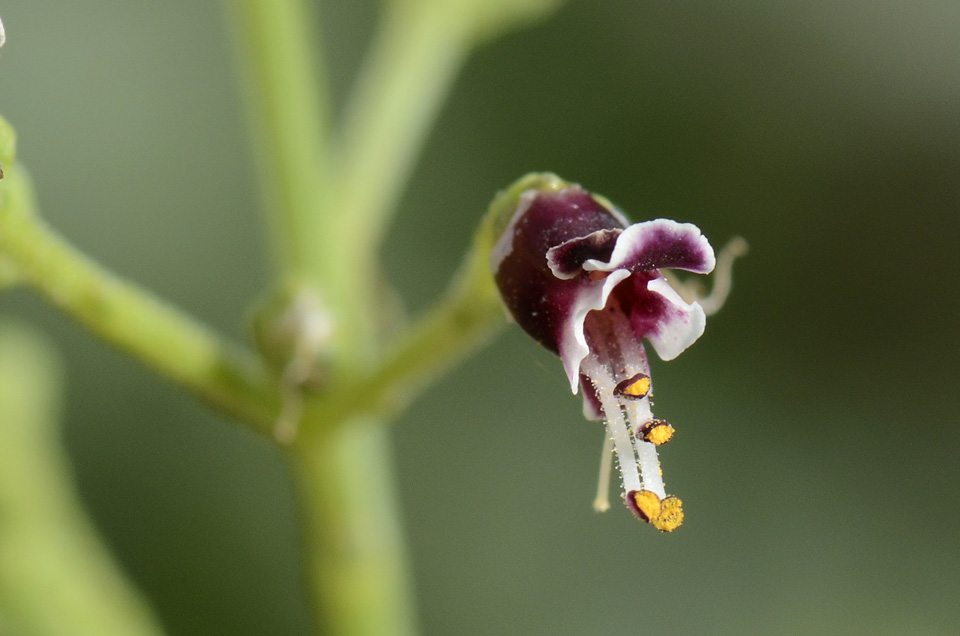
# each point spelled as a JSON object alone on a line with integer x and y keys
{"x": 644, "y": 504}
{"x": 664, "y": 514}
{"x": 633, "y": 433}
{"x": 671, "y": 514}
{"x": 616, "y": 424}
{"x": 626, "y": 458}
{"x": 649, "y": 465}
{"x": 602, "y": 501}
{"x": 635, "y": 388}
{"x": 657, "y": 432}
{"x": 638, "y": 415}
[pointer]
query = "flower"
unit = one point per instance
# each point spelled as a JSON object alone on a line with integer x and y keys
{"x": 588, "y": 286}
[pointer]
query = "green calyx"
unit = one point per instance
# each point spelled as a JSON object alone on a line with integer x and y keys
{"x": 505, "y": 204}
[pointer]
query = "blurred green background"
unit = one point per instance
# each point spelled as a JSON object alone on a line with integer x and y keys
{"x": 817, "y": 446}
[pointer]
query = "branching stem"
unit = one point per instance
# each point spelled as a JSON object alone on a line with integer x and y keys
{"x": 129, "y": 318}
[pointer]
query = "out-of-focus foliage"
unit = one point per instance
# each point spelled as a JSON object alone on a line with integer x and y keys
{"x": 55, "y": 575}
{"x": 489, "y": 18}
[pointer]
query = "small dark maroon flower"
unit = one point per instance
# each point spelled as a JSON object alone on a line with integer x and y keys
{"x": 588, "y": 286}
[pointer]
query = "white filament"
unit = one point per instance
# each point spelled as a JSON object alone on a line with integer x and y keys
{"x": 638, "y": 414}
{"x": 650, "y": 467}
{"x": 616, "y": 424}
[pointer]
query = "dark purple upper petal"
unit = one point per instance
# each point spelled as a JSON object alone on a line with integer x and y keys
{"x": 566, "y": 260}
{"x": 528, "y": 287}
{"x": 658, "y": 244}
{"x": 564, "y": 255}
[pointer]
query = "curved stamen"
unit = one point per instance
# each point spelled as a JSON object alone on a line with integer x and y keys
{"x": 602, "y": 502}
{"x": 617, "y": 429}
{"x": 649, "y": 464}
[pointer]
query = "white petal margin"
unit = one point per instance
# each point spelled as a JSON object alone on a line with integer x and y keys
{"x": 639, "y": 237}
{"x": 572, "y": 342}
{"x": 680, "y": 324}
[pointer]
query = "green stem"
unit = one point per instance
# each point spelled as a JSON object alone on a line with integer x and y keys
{"x": 356, "y": 565}
{"x": 468, "y": 314}
{"x": 343, "y": 470}
{"x": 124, "y": 315}
{"x": 289, "y": 109}
{"x": 412, "y": 64}
{"x": 279, "y": 51}
{"x": 415, "y": 58}
{"x": 462, "y": 321}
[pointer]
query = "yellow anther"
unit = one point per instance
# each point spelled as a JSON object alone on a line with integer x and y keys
{"x": 657, "y": 432}
{"x": 647, "y": 505}
{"x": 635, "y": 388}
{"x": 671, "y": 514}
{"x": 638, "y": 389}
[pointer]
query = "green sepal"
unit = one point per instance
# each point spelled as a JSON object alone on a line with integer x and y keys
{"x": 505, "y": 204}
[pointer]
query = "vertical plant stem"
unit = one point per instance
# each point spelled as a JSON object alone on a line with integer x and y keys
{"x": 354, "y": 556}
{"x": 136, "y": 322}
{"x": 415, "y": 58}
{"x": 356, "y": 564}
{"x": 280, "y": 55}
